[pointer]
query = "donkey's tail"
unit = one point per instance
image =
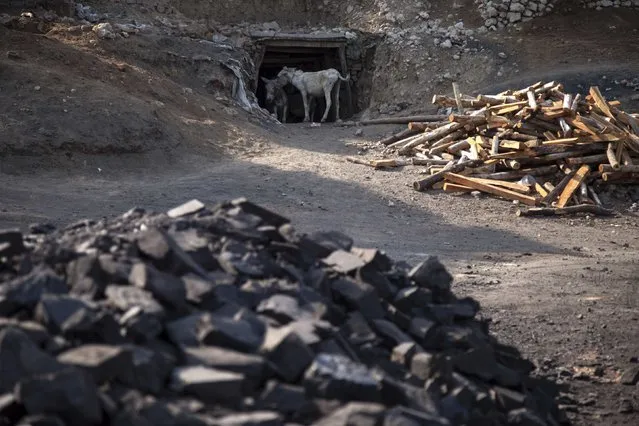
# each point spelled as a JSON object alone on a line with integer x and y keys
{"x": 348, "y": 77}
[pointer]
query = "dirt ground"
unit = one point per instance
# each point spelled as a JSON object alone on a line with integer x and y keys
{"x": 91, "y": 129}
{"x": 563, "y": 290}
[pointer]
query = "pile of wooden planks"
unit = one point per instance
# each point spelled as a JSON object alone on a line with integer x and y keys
{"x": 539, "y": 146}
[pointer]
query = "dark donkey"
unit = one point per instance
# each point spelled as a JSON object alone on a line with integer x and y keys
{"x": 275, "y": 95}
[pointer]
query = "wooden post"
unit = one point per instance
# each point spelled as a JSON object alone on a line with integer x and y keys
{"x": 258, "y": 64}
{"x": 349, "y": 94}
{"x": 460, "y": 108}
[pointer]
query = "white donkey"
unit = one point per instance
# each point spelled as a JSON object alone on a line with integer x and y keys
{"x": 315, "y": 84}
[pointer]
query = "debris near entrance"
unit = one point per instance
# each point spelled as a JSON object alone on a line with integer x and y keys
{"x": 537, "y": 146}
{"x": 226, "y": 315}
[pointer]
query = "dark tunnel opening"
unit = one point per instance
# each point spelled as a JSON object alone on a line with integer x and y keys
{"x": 305, "y": 59}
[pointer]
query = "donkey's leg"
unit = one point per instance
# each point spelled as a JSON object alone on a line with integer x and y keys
{"x": 327, "y": 95}
{"x": 337, "y": 89}
{"x": 305, "y": 100}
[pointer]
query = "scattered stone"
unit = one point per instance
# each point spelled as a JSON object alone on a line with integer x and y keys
{"x": 630, "y": 376}
{"x": 69, "y": 393}
{"x": 102, "y": 362}
{"x": 208, "y": 384}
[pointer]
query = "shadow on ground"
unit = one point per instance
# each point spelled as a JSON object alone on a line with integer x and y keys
{"x": 311, "y": 201}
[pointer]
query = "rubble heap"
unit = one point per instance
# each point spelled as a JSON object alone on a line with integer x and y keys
{"x": 226, "y": 316}
{"x": 537, "y": 146}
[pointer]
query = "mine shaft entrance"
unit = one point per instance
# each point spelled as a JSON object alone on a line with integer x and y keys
{"x": 307, "y": 53}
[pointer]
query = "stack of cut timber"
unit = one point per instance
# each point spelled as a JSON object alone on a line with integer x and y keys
{"x": 538, "y": 145}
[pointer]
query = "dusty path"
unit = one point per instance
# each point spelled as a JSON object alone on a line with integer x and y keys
{"x": 564, "y": 290}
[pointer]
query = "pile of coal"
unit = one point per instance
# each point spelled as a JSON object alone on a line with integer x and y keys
{"x": 225, "y": 315}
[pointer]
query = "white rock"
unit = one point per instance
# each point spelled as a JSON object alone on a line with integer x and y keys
{"x": 517, "y": 7}
{"x": 491, "y": 12}
{"x": 446, "y": 44}
{"x": 349, "y": 9}
{"x": 104, "y": 31}
{"x": 514, "y": 17}
{"x": 502, "y": 55}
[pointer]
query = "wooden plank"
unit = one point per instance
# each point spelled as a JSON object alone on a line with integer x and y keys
{"x": 518, "y": 145}
{"x": 513, "y": 186}
{"x": 490, "y": 189}
{"x": 573, "y": 184}
{"x": 540, "y": 189}
{"x": 600, "y": 102}
{"x": 452, "y": 187}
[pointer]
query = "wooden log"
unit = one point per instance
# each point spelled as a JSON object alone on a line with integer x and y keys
{"x": 576, "y": 149}
{"x": 626, "y": 159}
{"x": 607, "y": 168}
{"x": 594, "y": 196}
{"x": 612, "y": 157}
{"x": 421, "y": 126}
{"x": 490, "y": 189}
{"x": 600, "y": 101}
{"x": 447, "y": 101}
{"x": 575, "y": 103}
{"x": 589, "y": 159}
{"x": 573, "y": 184}
{"x": 402, "y": 120}
{"x": 495, "y": 100}
{"x": 386, "y": 163}
{"x": 458, "y": 146}
{"x": 458, "y": 100}
{"x": 429, "y": 162}
{"x": 447, "y": 139}
{"x": 567, "y": 102}
{"x": 548, "y": 199}
{"x": 517, "y": 174}
{"x": 399, "y": 136}
{"x": 550, "y": 211}
{"x": 512, "y": 164}
{"x": 532, "y": 102}
{"x": 548, "y": 186}
{"x": 432, "y": 135}
{"x": 403, "y": 142}
{"x": 620, "y": 177}
{"x": 424, "y": 184}
{"x": 359, "y": 161}
{"x": 583, "y": 194}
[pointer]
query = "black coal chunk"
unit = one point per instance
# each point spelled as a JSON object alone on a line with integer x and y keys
{"x": 210, "y": 385}
{"x": 69, "y": 393}
{"x": 232, "y": 333}
{"x": 283, "y": 398}
{"x": 26, "y": 291}
{"x": 287, "y": 352}
{"x": 354, "y": 413}
{"x": 337, "y": 377}
{"x": 11, "y": 243}
{"x": 20, "y": 359}
{"x": 102, "y": 362}
{"x": 225, "y": 359}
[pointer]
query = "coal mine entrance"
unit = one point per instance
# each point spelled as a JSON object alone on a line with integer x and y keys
{"x": 310, "y": 56}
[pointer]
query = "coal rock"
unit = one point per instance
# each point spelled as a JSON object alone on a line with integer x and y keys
{"x": 11, "y": 243}
{"x": 26, "y": 291}
{"x": 21, "y": 359}
{"x": 69, "y": 393}
{"x": 102, "y": 362}
{"x": 210, "y": 385}
{"x": 226, "y": 315}
{"x": 337, "y": 377}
